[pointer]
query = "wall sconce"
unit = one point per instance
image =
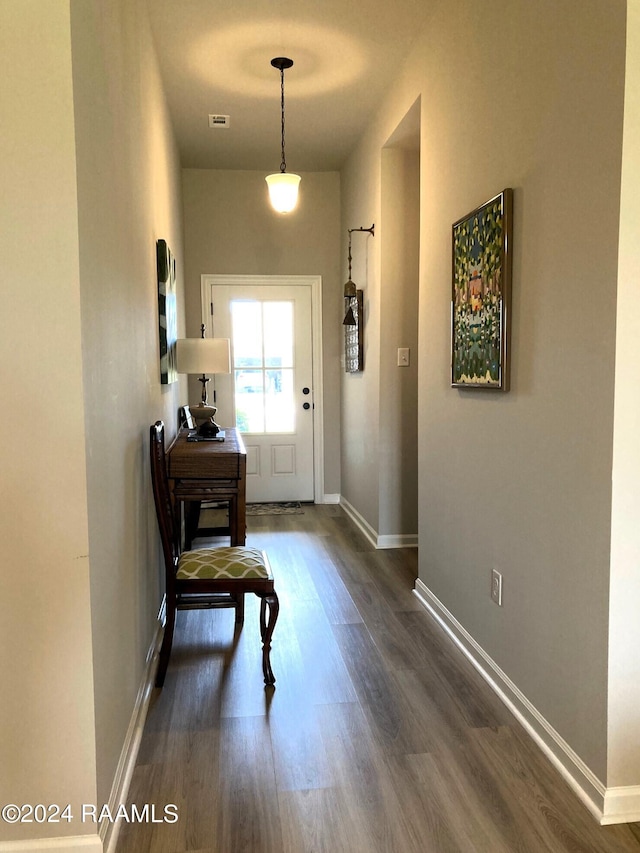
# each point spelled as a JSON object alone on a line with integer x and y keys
{"x": 204, "y": 355}
{"x": 283, "y": 185}
{"x": 353, "y": 320}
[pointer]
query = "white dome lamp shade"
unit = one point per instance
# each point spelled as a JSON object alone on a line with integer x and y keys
{"x": 283, "y": 191}
{"x": 283, "y": 185}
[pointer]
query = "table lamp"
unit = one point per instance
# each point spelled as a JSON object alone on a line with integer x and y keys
{"x": 204, "y": 355}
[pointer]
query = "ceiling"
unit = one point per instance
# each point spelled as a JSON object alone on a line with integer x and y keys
{"x": 215, "y": 58}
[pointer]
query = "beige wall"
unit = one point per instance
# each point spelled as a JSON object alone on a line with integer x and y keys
{"x": 360, "y": 392}
{"x": 514, "y": 94}
{"x": 92, "y": 181}
{"x": 47, "y": 735}
{"x": 230, "y": 229}
{"x": 624, "y": 605}
{"x": 128, "y": 197}
{"x": 399, "y": 235}
{"x": 380, "y": 404}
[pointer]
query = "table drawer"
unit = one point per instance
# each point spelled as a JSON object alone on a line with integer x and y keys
{"x": 203, "y": 466}
{"x": 204, "y": 489}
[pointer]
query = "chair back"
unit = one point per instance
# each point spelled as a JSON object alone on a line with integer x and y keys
{"x": 162, "y": 498}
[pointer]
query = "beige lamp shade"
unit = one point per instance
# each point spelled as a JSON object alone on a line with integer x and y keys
{"x": 203, "y": 355}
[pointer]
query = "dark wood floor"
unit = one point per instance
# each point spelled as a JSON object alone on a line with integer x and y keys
{"x": 379, "y": 735}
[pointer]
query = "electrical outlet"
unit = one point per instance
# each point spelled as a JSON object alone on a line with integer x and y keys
{"x": 496, "y": 587}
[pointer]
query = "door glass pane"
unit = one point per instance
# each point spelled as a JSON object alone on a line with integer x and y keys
{"x": 279, "y": 408}
{"x": 246, "y": 318}
{"x": 263, "y": 366}
{"x": 249, "y": 400}
{"x": 278, "y": 334}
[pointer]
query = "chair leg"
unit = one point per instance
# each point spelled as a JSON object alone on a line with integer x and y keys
{"x": 191, "y": 522}
{"x": 266, "y": 632}
{"x": 233, "y": 522}
{"x": 167, "y": 641}
{"x": 239, "y": 608}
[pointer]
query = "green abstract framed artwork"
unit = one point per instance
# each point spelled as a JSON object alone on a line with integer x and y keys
{"x": 481, "y": 296}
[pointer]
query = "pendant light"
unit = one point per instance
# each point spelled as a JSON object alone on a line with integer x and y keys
{"x": 283, "y": 186}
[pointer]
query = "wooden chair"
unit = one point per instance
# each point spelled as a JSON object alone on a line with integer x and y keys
{"x": 207, "y": 577}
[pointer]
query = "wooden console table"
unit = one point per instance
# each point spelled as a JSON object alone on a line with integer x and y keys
{"x": 210, "y": 471}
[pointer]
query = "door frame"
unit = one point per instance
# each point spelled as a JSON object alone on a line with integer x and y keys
{"x": 315, "y": 283}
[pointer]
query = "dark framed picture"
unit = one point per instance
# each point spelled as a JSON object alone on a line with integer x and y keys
{"x": 167, "y": 312}
{"x": 354, "y": 334}
{"x": 481, "y": 296}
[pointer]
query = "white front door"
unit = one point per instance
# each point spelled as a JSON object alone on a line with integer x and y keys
{"x": 269, "y": 393}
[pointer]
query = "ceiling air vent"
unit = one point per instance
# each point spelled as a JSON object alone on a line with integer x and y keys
{"x": 219, "y": 121}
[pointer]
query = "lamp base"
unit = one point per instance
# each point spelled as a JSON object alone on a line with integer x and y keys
{"x": 195, "y": 437}
{"x": 203, "y": 415}
{"x": 209, "y": 429}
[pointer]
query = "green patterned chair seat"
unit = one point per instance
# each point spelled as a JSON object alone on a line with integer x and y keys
{"x": 235, "y": 562}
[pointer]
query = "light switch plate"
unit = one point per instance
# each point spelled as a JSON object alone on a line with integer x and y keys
{"x": 496, "y": 587}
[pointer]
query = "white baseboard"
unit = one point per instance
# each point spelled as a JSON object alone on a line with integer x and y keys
{"x": 621, "y": 805}
{"x": 360, "y": 522}
{"x": 110, "y": 830}
{"x": 608, "y": 806}
{"x": 70, "y": 844}
{"x": 331, "y": 499}
{"x": 372, "y": 536}
{"x": 398, "y": 540}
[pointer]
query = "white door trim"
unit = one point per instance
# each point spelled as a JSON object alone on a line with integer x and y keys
{"x": 315, "y": 282}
